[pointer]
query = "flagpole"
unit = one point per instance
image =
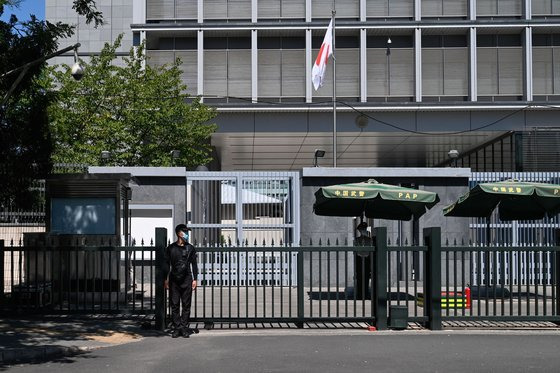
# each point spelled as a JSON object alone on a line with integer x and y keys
{"x": 334, "y": 85}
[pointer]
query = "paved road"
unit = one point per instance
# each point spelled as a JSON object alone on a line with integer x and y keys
{"x": 323, "y": 351}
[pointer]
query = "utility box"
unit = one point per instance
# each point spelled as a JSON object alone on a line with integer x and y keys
{"x": 398, "y": 317}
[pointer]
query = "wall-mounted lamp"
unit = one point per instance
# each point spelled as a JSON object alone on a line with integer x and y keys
{"x": 319, "y": 153}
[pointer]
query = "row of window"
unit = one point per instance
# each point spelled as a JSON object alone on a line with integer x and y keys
{"x": 344, "y": 42}
{"x": 445, "y": 72}
{"x": 295, "y": 9}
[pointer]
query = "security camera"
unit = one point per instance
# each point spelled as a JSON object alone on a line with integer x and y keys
{"x": 77, "y": 71}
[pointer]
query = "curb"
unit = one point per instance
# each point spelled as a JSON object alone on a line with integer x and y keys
{"x": 31, "y": 354}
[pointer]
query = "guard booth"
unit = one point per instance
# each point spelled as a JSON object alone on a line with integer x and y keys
{"x": 81, "y": 210}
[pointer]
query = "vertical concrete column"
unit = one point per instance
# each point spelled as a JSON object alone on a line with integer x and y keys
{"x": 417, "y": 10}
{"x": 472, "y": 10}
{"x": 418, "y": 64}
{"x": 200, "y": 62}
{"x": 363, "y": 65}
{"x": 527, "y": 11}
{"x": 143, "y": 40}
{"x": 473, "y": 71}
{"x": 363, "y": 10}
{"x": 308, "y": 65}
{"x": 254, "y": 11}
{"x": 254, "y": 66}
{"x": 528, "y": 63}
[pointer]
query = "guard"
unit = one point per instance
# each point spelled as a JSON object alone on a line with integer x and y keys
{"x": 180, "y": 258}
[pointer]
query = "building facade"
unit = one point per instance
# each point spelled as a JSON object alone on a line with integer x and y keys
{"x": 478, "y": 76}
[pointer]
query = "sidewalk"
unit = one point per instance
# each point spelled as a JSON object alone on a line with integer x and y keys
{"x": 40, "y": 338}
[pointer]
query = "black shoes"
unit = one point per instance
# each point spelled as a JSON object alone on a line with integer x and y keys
{"x": 185, "y": 332}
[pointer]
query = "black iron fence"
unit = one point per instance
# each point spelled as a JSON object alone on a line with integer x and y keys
{"x": 430, "y": 283}
{"x": 77, "y": 279}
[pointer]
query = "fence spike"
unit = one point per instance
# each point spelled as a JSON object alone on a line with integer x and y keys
{"x": 455, "y": 241}
{"x": 237, "y": 242}
{"x": 328, "y": 241}
{"x": 281, "y": 243}
{"x": 142, "y": 242}
{"x": 255, "y": 243}
{"x": 398, "y": 241}
{"x": 229, "y": 241}
{"x": 336, "y": 242}
{"x": 470, "y": 241}
{"x": 462, "y": 241}
{"x": 247, "y": 242}
{"x": 20, "y": 242}
{"x": 110, "y": 241}
{"x": 133, "y": 242}
{"x": 12, "y": 242}
{"x": 300, "y": 242}
{"x": 272, "y": 242}
{"x": 406, "y": 241}
{"x": 320, "y": 242}
{"x": 310, "y": 241}
{"x": 264, "y": 242}
{"x": 446, "y": 241}
{"x": 345, "y": 241}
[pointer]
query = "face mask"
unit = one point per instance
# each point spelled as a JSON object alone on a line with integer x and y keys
{"x": 185, "y": 236}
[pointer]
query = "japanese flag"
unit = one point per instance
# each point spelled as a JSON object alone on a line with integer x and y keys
{"x": 320, "y": 65}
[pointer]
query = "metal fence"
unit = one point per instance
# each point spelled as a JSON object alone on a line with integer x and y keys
{"x": 295, "y": 284}
{"x": 243, "y": 208}
{"x": 76, "y": 279}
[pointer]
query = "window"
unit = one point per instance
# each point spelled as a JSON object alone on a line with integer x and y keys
{"x": 275, "y": 9}
{"x": 390, "y": 75}
{"x": 171, "y": 9}
{"x": 500, "y": 71}
{"x": 389, "y": 8}
{"x": 344, "y": 8}
{"x": 227, "y": 9}
{"x": 546, "y": 64}
{"x": 489, "y": 8}
{"x": 188, "y": 66}
{"x": 444, "y": 8}
{"x": 227, "y": 67}
{"x": 545, "y": 7}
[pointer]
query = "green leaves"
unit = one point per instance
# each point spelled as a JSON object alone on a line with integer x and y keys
{"x": 136, "y": 112}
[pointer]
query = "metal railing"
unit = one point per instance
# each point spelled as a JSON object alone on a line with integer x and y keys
{"x": 77, "y": 279}
{"x": 294, "y": 284}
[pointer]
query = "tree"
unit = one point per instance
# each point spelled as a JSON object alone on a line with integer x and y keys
{"x": 136, "y": 112}
{"x": 25, "y": 143}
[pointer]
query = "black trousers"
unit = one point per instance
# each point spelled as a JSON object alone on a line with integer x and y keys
{"x": 180, "y": 295}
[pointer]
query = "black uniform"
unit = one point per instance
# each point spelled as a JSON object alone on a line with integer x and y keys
{"x": 182, "y": 269}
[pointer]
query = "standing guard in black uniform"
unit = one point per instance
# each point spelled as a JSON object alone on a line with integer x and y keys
{"x": 182, "y": 269}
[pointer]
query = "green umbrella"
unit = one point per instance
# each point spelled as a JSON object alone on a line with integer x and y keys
{"x": 515, "y": 201}
{"x": 376, "y": 200}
